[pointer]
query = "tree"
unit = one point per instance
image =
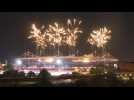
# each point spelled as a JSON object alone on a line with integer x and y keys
{"x": 31, "y": 74}
{"x": 11, "y": 73}
{"x": 97, "y": 71}
{"x": 76, "y": 74}
{"x": 104, "y": 76}
{"x": 44, "y": 76}
{"x": 8, "y": 67}
{"x": 21, "y": 74}
{"x": 93, "y": 71}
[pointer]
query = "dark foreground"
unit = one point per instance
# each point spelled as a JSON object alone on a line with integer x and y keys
{"x": 97, "y": 77}
{"x": 69, "y": 81}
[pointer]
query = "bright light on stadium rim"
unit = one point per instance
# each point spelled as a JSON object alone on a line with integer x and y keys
{"x": 59, "y": 61}
{"x": 85, "y": 60}
{"x": 49, "y": 60}
{"x": 18, "y": 62}
{"x": 39, "y": 60}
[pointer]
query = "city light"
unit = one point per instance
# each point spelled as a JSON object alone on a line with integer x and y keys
{"x": 115, "y": 66}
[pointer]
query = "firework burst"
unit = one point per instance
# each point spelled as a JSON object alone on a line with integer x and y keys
{"x": 56, "y": 34}
{"x": 38, "y": 37}
{"x": 72, "y": 30}
{"x": 100, "y": 37}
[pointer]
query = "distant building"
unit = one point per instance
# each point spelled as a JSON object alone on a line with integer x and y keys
{"x": 126, "y": 66}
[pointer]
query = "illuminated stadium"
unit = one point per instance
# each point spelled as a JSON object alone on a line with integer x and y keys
{"x": 59, "y": 65}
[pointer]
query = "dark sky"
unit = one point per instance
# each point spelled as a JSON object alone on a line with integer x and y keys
{"x": 14, "y": 28}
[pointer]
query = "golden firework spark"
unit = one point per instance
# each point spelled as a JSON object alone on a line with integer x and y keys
{"x": 56, "y": 33}
{"x": 38, "y": 36}
{"x": 100, "y": 37}
{"x": 72, "y": 30}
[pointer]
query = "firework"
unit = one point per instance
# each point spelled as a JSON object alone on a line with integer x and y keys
{"x": 38, "y": 36}
{"x": 72, "y": 30}
{"x": 100, "y": 37}
{"x": 56, "y": 34}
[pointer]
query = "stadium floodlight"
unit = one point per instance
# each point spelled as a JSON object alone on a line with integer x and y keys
{"x": 85, "y": 60}
{"x": 39, "y": 60}
{"x": 59, "y": 61}
{"x": 18, "y": 62}
{"x": 49, "y": 60}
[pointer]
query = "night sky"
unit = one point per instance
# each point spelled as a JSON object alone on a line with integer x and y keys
{"x": 14, "y": 28}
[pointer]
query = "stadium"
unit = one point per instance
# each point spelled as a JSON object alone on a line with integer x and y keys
{"x": 58, "y": 65}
